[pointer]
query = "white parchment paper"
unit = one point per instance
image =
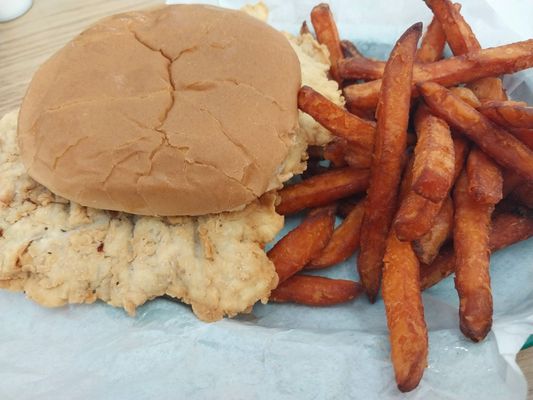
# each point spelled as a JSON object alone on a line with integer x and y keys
{"x": 283, "y": 351}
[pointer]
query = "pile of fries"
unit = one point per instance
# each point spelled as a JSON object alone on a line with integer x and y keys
{"x": 418, "y": 208}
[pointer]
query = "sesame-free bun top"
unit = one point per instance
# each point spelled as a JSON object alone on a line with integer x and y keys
{"x": 180, "y": 110}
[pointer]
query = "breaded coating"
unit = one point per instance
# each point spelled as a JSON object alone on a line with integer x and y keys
{"x": 58, "y": 252}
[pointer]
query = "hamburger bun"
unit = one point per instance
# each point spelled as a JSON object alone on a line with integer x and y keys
{"x": 181, "y": 110}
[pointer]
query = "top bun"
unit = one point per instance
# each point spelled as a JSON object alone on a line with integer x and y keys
{"x": 181, "y": 110}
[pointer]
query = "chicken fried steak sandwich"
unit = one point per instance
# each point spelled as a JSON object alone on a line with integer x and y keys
{"x": 145, "y": 160}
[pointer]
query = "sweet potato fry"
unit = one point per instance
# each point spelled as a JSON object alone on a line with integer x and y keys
{"x": 340, "y": 122}
{"x": 432, "y": 43}
{"x": 462, "y": 40}
{"x": 431, "y": 48}
{"x": 316, "y": 291}
{"x": 391, "y": 136}
{"x": 499, "y": 144}
{"x": 428, "y": 246}
{"x": 485, "y": 181}
{"x": 489, "y": 88}
{"x": 524, "y": 135}
{"x": 505, "y": 120}
{"x": 507, "y": 114}
{"x": 448, "y": 72}
{"x": 405, "y": 313}
{"x": 303, "y": 243}
{"x": 458, "y": 33}
{"x": 415, "y": 217}
{"x": 322, "y": 189}
{"x": 434, "y": 156}
{"x": 467, "y": 95}
{"x": 327, "y": 34}
{"x": 334, "y": 152}
{"x": 343, "y": 242}
{"x": 471, "y": 246}
{"x": 460, "y": 149}
{"x": 417, "y": 214}
{"x": 361, "y": 68}
{"x": 506, "y": 229}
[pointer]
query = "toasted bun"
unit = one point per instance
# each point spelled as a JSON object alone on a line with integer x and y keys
{"x": 182, "y": 110}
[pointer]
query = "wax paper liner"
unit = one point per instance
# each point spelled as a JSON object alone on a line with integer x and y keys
{"x": 283, "y": 351}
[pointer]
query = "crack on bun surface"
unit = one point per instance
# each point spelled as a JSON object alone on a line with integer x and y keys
{"x": 181, "y": 110}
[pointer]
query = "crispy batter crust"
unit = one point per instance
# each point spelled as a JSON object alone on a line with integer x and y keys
{"x": 58, "y": 252}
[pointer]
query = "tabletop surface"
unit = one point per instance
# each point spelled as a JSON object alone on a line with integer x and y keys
{"x": 27, "y": 42}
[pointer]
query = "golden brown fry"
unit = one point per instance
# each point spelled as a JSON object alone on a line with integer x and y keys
{"x": 434, "y": 156}
{"x": 506, "y": 229}
{"x": 448, "y": 72}
{"x": 335, "y": 152}
{"x": 391, "y": 136}
{"x": 472, "y": 253}
{"x": 508, "y": 114}
{"x": 489, "y": 88}
{"x": 340, "y": 122}
{"x": 322, "y": 189}
{"x": 327, "y": 34}
{"x": 428, "y": 246}
{"x": 315, "y": 291}
{"x": 432, "y": 43}
{"x": 303, "y": 243}
{"x": 485, "y": 181}
{"x": 499, "y": 144}
{"x": 467, "y": 95}
{"x": 405, "y": 313}
{"x": 458, "y": 33}
{"x": 343, "y": 242}
{"x": 417, "y": 214}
